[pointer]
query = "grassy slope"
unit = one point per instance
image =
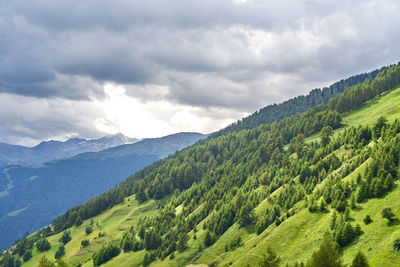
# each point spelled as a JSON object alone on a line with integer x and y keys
{"x": 294, "y": 240}
{"x": 387, "y": 104}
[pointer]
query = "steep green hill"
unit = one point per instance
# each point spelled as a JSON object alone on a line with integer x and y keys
{"x": 229, "y": 200}
{"x": 277, "y": 112}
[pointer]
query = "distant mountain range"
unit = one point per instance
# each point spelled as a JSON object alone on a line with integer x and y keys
{"x": 31, "y": 196}
{"x": 51, "y": 150}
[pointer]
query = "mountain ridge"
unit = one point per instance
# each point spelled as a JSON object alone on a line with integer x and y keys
{"x": 278, "y": 111}
{"x": 53, "y": 149}
{"x": 76, "y": 179}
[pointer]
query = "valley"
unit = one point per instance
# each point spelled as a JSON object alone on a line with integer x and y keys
{"x": 34, "y": 195}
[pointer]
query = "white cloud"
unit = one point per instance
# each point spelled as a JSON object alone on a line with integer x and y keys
{"x": 153, "y": 118}
{"x": 176, "y": 65}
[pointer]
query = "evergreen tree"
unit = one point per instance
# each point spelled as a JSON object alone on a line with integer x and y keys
{"x": 360, "y": 260}
{"x": 367, "y": 219}
{"x": 246, "y": 214}
{"x": 270, "y": 259}
{"x": 146, "y": 260}
{"x": 65, "y": 238}
{"x": 60, "y": 252}
{"x": 27, "y": 255}
{"x": 333, "y": 220}
{"x": 182, "y": 240}
{"x": 388, "y": 214}
{"x": 327, "y": 255}
{"x": 88, "y": 230}
{"x": 106, "y": 252}
{"x": 377, "y": 128}
{"x": 43, "y": 245}
{"x": 388, "y": 183}
{"x": 326, "y": 134}
{"x": 353, "y": 205}
{"x": 141, "y": 194}
{"x": 208, "y": 239}
{"x": 396, "y": 244}
{"x": 78, "y": 221}
{"x": 84, "y": 243}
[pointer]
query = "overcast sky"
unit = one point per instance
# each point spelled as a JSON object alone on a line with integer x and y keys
{"x": 151, "y": 68}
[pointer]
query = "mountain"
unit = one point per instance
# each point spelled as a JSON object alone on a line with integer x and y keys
{"x": 315, "y": 186}
{"x": 277, "y": 112}
{"x": 32, "y": 195}
{"x": 51, "y": 150}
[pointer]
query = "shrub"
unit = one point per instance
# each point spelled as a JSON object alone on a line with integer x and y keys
{"x": 396, "y": 244}
{"x": 107, "y": 252}
{"x": 65, "y": 238}
{"x": 367, "y": 219}
{"x": 60, "y": 252}
{"x": 388, "y": 214}
{"x": 43, "y": 245}
{"x": 88, "y": 230}
{"x": 84, "y": 243}
{"x": 27, "y": 255}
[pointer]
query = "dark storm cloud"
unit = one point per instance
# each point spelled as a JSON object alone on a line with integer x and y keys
{"x": 233, "y": 55}
{"x": 159, "y": 42}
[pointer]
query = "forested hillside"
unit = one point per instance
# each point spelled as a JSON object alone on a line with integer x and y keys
{"x": 277, "y": 112}
{"x": 267, "y": 196}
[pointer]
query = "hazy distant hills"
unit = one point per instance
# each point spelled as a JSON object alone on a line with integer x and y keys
{"x": 31, "y": 196}
{"x": 51, "y": 150}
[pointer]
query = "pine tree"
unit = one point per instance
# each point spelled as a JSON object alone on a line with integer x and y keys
{"x": 360, "y": 260}
{"x": 353, "y": 205}
{"x": 246, "y": 214}
{"x": 27, "y": 255}
{"x": 141, "y": 194}
{"x": 367, "y": 219}
{"x": 379, "y": 188}
{"x": 377, "y": 128}
{"x": 327, "y": 255}
{"x": 270, "y": 259}
{"x": 65, "y": 238}
{"x": 43, "y": 245}
{"x": 388, "y": 214}
{"x": 396, "y": 244}
{"x": 208, "y": 240}
{"x": 326, "y": 134}
{"x": 146, "y": 259}
{"x": 333, "y": 220}
{"x": 60, "y": 252}
{"x": 388, "y": 184}
{"x": 182, "y": 240}
{"x": 78, "y": 221}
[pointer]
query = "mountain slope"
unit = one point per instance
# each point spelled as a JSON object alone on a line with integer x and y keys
{"x": 277, "y": 112}
{"x": 225, "y": 200}
{"x": 51, "y": 150}
{"x": 32, "y": 196}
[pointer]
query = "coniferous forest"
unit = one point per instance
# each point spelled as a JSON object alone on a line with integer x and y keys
{"x": 235, "y": 198}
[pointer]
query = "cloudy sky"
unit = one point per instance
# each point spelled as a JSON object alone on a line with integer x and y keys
{"x": 151, "y": 68}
